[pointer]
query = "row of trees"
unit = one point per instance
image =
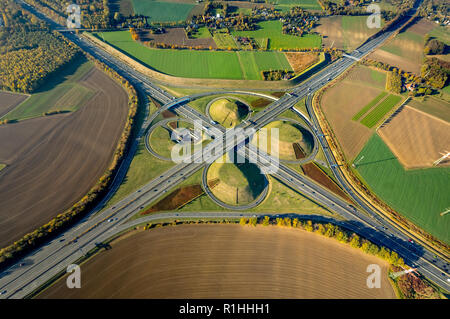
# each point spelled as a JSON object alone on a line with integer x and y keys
{"x": 277, "y": 75}
{"x": 332, "y": 231}
{"x": 90, "y": 200}
{"x": 394, "y": 82}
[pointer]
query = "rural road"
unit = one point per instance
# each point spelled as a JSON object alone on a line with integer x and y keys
{"x": 42, "y": 264}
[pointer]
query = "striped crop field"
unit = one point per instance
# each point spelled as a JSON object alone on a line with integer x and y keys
{"x": 374, "y": 116}
{"x": 369, "y": 106}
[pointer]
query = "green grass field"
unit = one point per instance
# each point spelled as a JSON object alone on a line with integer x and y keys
{"x": 420, "y": 195}
{"x": 285, "y": 5}
{"x": 198, "y": 64}
{"x": 61, "y": 92}
{"x": 369, "y": 106}
{"x": 202, "y": 33}
{"x": 374, "y": 116}
{"x": 2, "y": 166}
{"x": 143, "y": 169}
{"x": 160, "y": 11}
{"x": 278, "y": 40}
{"x": 441, "y": 33}
{"x": 224, "y": 41}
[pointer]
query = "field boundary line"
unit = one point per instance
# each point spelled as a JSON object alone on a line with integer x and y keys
{"x": 394, "y": 112}
{"x": 428, "y": 114}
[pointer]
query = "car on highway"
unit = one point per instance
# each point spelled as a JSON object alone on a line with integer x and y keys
{"x": 110, "y": 220}
{"x": 3, "y": 292}
{"x": 411, "y": 241}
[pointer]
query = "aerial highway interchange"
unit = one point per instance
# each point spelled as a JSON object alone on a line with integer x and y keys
{"x": 28, "y": 274}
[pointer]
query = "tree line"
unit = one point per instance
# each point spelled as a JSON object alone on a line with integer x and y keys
{"x": 332, "y": 231}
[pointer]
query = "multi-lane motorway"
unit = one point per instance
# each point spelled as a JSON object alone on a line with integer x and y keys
{"x": 41, "y": 265}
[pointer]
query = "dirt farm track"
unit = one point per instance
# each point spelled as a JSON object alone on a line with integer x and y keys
{"x": 226, "y": 261}
{"x": 53, "y": 161}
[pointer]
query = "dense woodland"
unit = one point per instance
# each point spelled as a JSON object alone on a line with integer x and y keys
{"x": 29, "y": 51}
{"x": 94, "y": 13}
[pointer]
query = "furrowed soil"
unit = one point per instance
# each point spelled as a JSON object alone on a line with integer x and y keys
{"x": 300, "y": 61}
{"x": 53, "y": 161}
{"x": 416, "y": 138}
{"x": 8, "y": 101}
{"x": 339, "y": 106}
{"x": 226, "y": 261}
{"x": 406, "y": 49}
{"x": 314, "y": 172}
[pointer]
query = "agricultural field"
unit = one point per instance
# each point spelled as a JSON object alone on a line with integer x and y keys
{"x": 416, "y": 194}
{"x": 198, "y": 64}
{"x": 233, "y": 257}
{"x": 177, "y": 36}
{"x": 8, "y": 101}
{"x": 369, "y": 106}
{"x": 278, "y": 40}
{"x": 380, "y": 110}
{"x": 224, "y": 40}
{"x": 53, "y": 161}
{"x": 344, "y": 32}
{"x": 406, "y": 49}
{"x": 340, "y": 107}
{"x": 65, "y": 91}
{"x": 416, "y": 138}
{"x": 286, "y": 5}
{"x": 300, "y": 61}
{"x": 163, "y": 11}
{"x": 433, "y": 106}
{"x": 124, "y": 7}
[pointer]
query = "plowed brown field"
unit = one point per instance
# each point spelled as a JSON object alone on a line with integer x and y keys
{"x": 54, "y": 161}
{"x": 9, "y": 101}
{"x": 416, "y": 138}
{"x": 340, "y": 105}
{"x": 226, "y": 261}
